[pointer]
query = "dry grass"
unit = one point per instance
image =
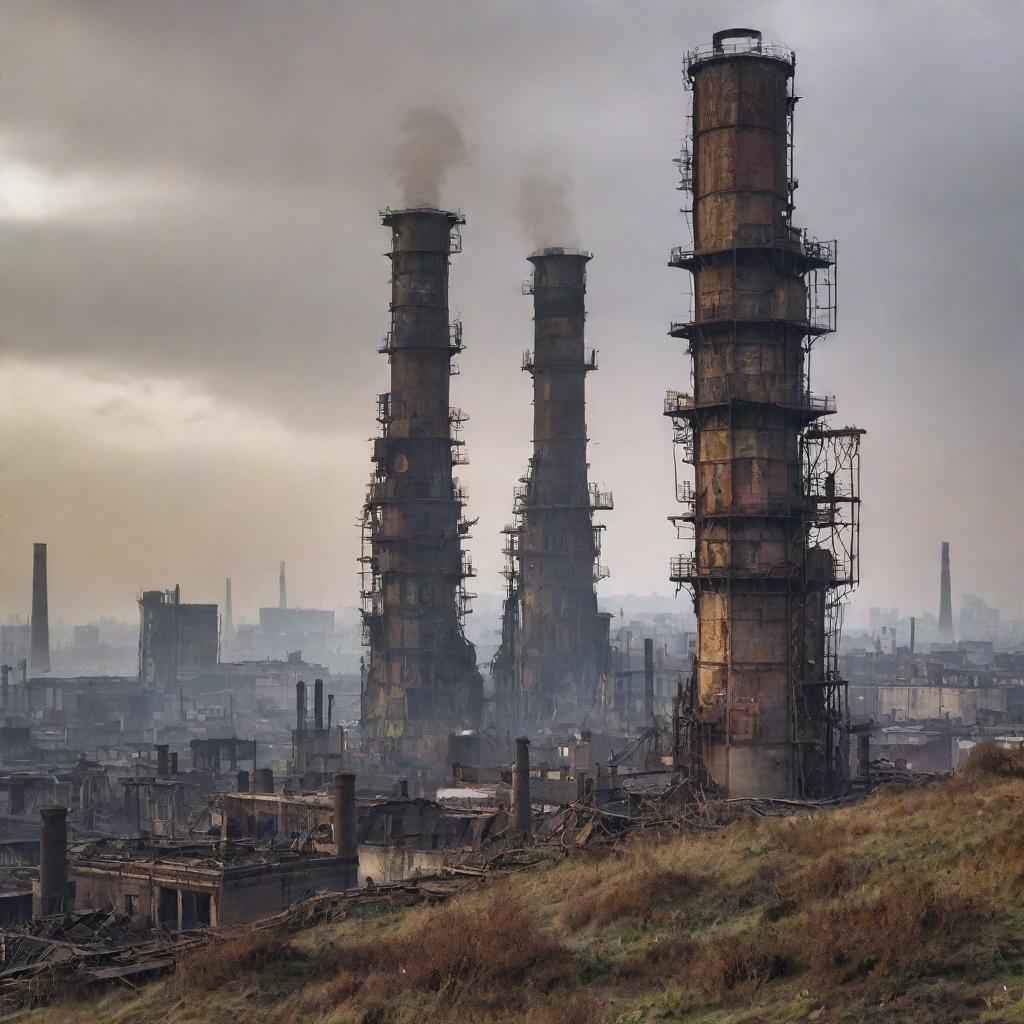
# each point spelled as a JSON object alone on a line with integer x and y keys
{"x": 211, "y": 967}
{"x": 631, "y": 889}
{"x": 905, "y": 907}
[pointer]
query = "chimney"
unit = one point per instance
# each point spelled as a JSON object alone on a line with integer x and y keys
{"x": 5, "y": 684}
{"x": 53, "y": 861}
{"x": 318, "y": 705}
{"x": 174, "y": 762}
{"x": 243, "y": 782}
{"x": 913, "y": 631}
{"x": 945, "y": 599}
{"x": 649, "y": 679}
{"x": 229, "y": 619}
{"x": 282, "y": 587}
{"x": 346, "y": 818}
{"x": 163, "y": 761}
{"x": 40, "y": 611}
{"x": 300, "y": 706}
{"x": 521, "y": 787}
{"x": 265, "y": 780}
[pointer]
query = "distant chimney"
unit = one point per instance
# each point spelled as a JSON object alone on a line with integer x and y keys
{"x": 282, "y": 587}
{"x": 229, "y": 619}
{"x": 318, "y": 705}
{"x": 945, "y": 599}
{"x": 40, "y": 611}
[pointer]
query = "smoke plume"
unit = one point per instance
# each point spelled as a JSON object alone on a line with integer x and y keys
{"x": 545, "y": 208}
{"x": 432, "y": 144}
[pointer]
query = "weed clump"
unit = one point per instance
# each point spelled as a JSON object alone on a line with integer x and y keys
{"x": 988, "y": 760}
{"x": 634, "y": 889}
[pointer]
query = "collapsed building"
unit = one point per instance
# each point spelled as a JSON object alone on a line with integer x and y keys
{"x": 773, "y": 513}
{"x": 421, "y": 681}
{"x": 554, "y": 641}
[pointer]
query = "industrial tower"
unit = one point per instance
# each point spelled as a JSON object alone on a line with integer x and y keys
{"x": 39, "y": 660}
{"x": 773, "y": 511}
{"x": 421, "y": 683}
{"x": 554, "y": 640}
{"x": 945, "y": 598}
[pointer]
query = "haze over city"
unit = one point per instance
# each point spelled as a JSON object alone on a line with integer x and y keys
{"x": 194, "y": 289}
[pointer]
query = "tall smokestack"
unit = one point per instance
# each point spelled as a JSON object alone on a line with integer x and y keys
{"x": 53, "y": 861}
{"x": 300, "y": 706}
{"x": 648, "y": 678}
{"x": 40, "y": 657}
{"x": 945, "y": 598}
{"x": 765, "y": 579}
{"x": 318, "y": 705}
{"x": 551, "y": 656}
{"x": 229, "y": 619}
{"x": 421, "y": 683}
{"x": 282, "y": 589}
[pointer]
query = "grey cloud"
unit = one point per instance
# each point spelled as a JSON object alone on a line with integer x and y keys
{"x": 274, "y": 128}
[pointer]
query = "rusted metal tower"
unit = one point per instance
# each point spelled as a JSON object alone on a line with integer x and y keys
{"x": 554, "y": 641}
{"x": 421, "y": 682}
{"x": 773, "y": 512}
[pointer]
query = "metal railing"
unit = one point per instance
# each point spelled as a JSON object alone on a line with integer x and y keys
{"x": 677, "y": 402}
{"x": 599, "y": 499}
{"x": 530, "y": 364}
{"x": 752, "y": 47}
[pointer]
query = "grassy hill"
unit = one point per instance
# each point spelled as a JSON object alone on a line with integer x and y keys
{"x": 905, "y": 907}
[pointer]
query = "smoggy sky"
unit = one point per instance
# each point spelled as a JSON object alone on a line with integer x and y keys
{"x": 193, "y": 289}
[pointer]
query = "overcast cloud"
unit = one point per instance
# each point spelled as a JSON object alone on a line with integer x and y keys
{"x": 192, "y": 283}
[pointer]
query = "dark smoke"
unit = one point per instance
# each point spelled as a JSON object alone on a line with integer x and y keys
{"x": 545, "y": 208}
{"x": 432, "y": 144}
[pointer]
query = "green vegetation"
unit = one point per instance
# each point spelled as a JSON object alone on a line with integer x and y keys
{"x": 903, "y": 908}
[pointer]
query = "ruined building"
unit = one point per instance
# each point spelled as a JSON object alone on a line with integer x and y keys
{"x": 773, "y": 513}
{"x": 554, "y": 640}
{"x": 421, "y": 681}
{"x": 175, "y": 639}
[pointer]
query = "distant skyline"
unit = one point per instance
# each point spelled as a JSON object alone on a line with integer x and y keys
{"x": 193, "y": 287}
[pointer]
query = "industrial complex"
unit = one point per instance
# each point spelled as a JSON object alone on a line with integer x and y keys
{"x": 244, "y": 766}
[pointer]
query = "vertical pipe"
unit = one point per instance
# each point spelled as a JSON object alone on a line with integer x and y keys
{"x": 53, "y": 860}
{"x": 5, "y": 676}
{"x": 318, "y": 705}
{"x": 346, "y": 819}
{"x": 649, "y": 679}
{"x": 521, "y": 816}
